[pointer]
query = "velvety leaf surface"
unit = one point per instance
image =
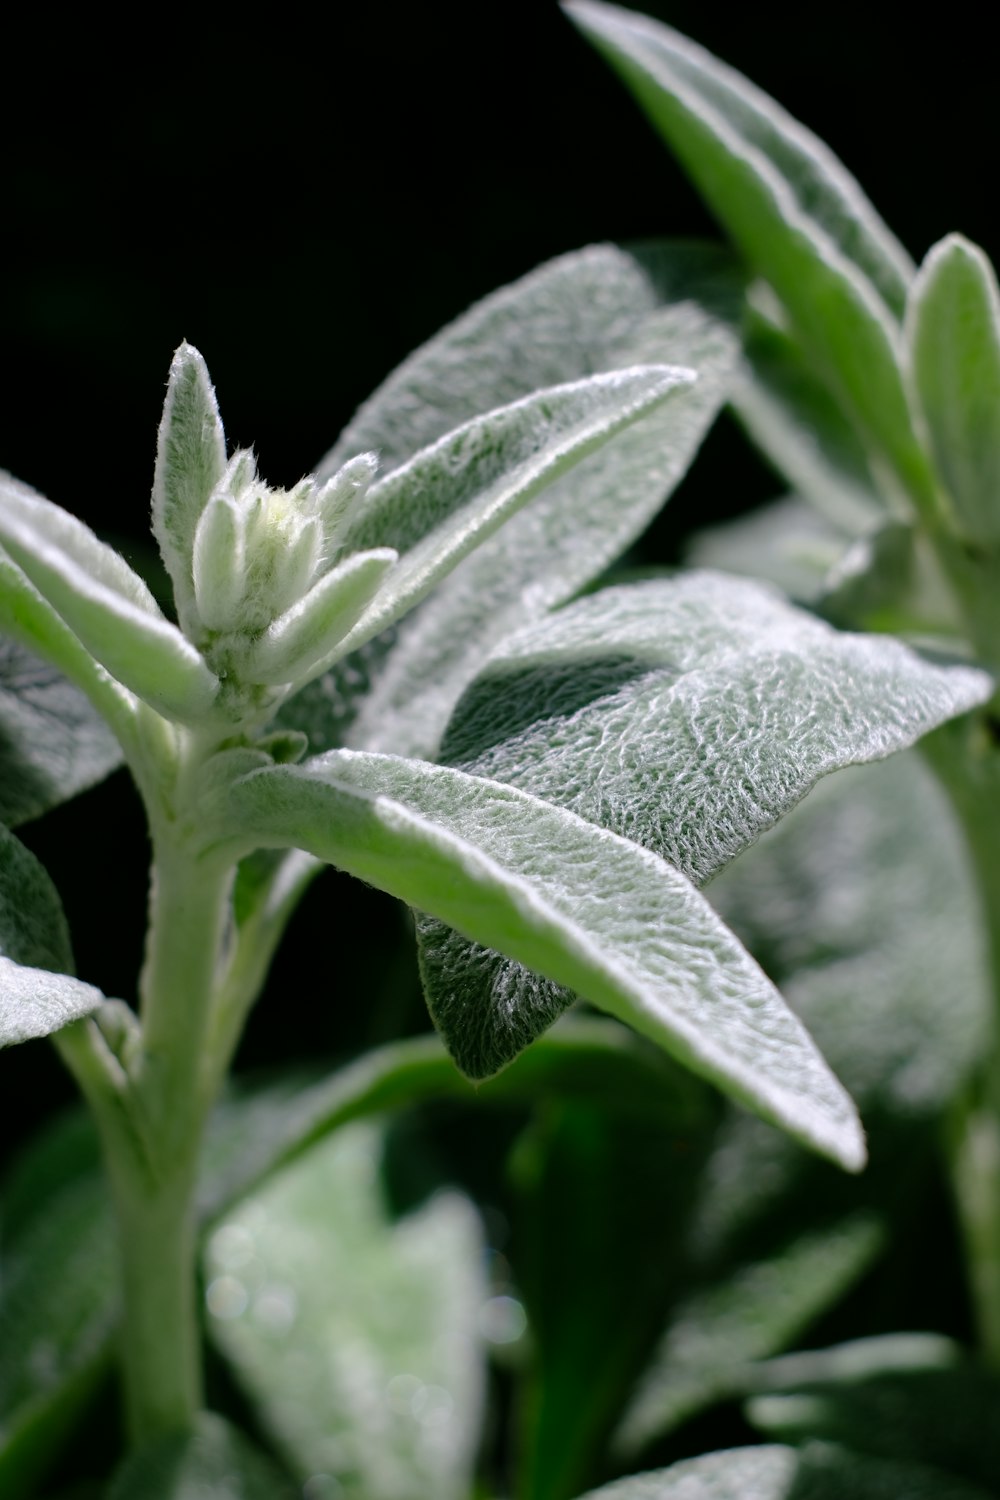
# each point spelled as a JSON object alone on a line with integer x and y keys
{"x": 215, "y": 1462}
{"x": 715, "y": 1335}
{"x": 820, "y": 1471}
{"x": 354, "y": 1335}
{"x": 603, "y": 308}
{"x": 37, "y": 993}
{"x": 52, "y": 742}
{"x": 445, "y": 501}
{"x": 799, "y": 218}
{"x": 874, "y": 1397}
{"x": 596, "y": 913}
{"x": 787, "y": 543}
{"x": 953, "y": 335}
{"x": 58, "y": 1289}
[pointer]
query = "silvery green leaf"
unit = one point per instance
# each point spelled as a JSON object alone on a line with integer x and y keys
{"x": 52, "y": 742}
{"x": 58, "y": 1290}
{"x": 37, "y": 994}
{"x": 953, "y": 338}
{"x": 798, "y": 217}
{"x": 716, "y": 1334}
{"x": 218, "y": 562}
{"x": 354, "y": 1335}
{"x": 790, "y": 414}
{"x": 299, "y": 642}
{"x": 689, "y": 714}
{"x": 190, "y": 461}
{"x": 820, "y": 1471}
{"x": 587, "y": 909}
{"x": 213, "y": 1462}
{"x": 449, "y": 498}
{"x": 105, "y": 604}
{"x": 599, "y": 309}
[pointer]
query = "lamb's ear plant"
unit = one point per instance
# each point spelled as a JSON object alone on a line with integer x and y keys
{"x": 411, "y": 666}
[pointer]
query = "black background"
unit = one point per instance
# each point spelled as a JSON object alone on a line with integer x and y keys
{"x": 308, "y": 196}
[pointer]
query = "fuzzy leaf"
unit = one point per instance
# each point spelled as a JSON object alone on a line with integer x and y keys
{"x": 354, "y": 1335}
{"x": 190, "y": 461}
{"x": 214, "y": 1462}
{"x": 449, "y": 498}
{"x": 581, "y": 906}
{"x": 953, "y": 335}
{"x": 689, "y": 714}
{"x": 600, "y": 309}
{"x": 787, "y": 543}
{"x": 52, "y": 743}
{"x": 821, "y": 1471}
{"x": 315, "y": 626}
{"x": 105, "y": 604}
{"x": 796, "y": 214}
{"x": 37, "y": 994}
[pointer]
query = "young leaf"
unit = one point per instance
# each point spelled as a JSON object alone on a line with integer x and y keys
{"x": 105, "y": 604}
{"x": 449, "y": 498}
{"x": 600, "y": 309}
{"x": 581, "y": 906}
{"x": 52, "y": 743}
{"x": 190, "y": 461}
{"x": 214, "y": 1462}
{"x": 953, "y": 338}
{"x": 787, "y": 543}
{"x": 354, "y": 1335}
{"x": 821, "y": 1471}
{"x": 37, "y": 994}
{"x": 716, "y": 1334}
{"x": 798, "y": 217}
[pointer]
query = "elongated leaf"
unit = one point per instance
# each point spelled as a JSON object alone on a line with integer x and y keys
{"x": 190, "y": 461}
{"x": 820, "y": 1471}
{"x": 899, "y": 1397}
{"x": 581, "y": 906}
{"x": 787, "y": 543}
{"x": 450, "y": 497}
{"x": 355, "y": 1336}
{"x": 793, "y": 210}
{"x": 52, "y": 743}
{"x": 790, "y": 414}
{"x": 601, "y": 309}
{"x": 58, "y": 1289}
{"x": 214, "y": 1462}
{"x": 37, "y": 994}
{"x": 953, "y": 337}
{"x": 104, "y": 603}
{"x": 689, "y": 714}
{"x": 716, "y": 1335}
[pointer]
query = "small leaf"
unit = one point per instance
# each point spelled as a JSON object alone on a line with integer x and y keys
{"x": 451, "y": 497}
{"x": 583, "y": 907}
{"x": 787, "y": 543}
{"x": 600, "y": 309}
{"x": 52, "y": 742}
{"x": 34, "y": 942}
{"x": 190, "y": 461}
{"x": 715, "y": 1335}
{"x": 953, "y": 337}
{"x": 355, "y": 1335}
{"x": 214, "y": 1462}
{"x": 796, "y": 214}
{"x": 105, "y": 604}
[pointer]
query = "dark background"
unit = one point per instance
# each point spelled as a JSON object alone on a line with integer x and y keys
{"x": 308, "y": 197}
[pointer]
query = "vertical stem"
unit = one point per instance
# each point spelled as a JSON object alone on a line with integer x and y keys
{"x": 966, "y": 756}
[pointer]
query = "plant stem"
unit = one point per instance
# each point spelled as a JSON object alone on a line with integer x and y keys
{"x": 966, "y": 756}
